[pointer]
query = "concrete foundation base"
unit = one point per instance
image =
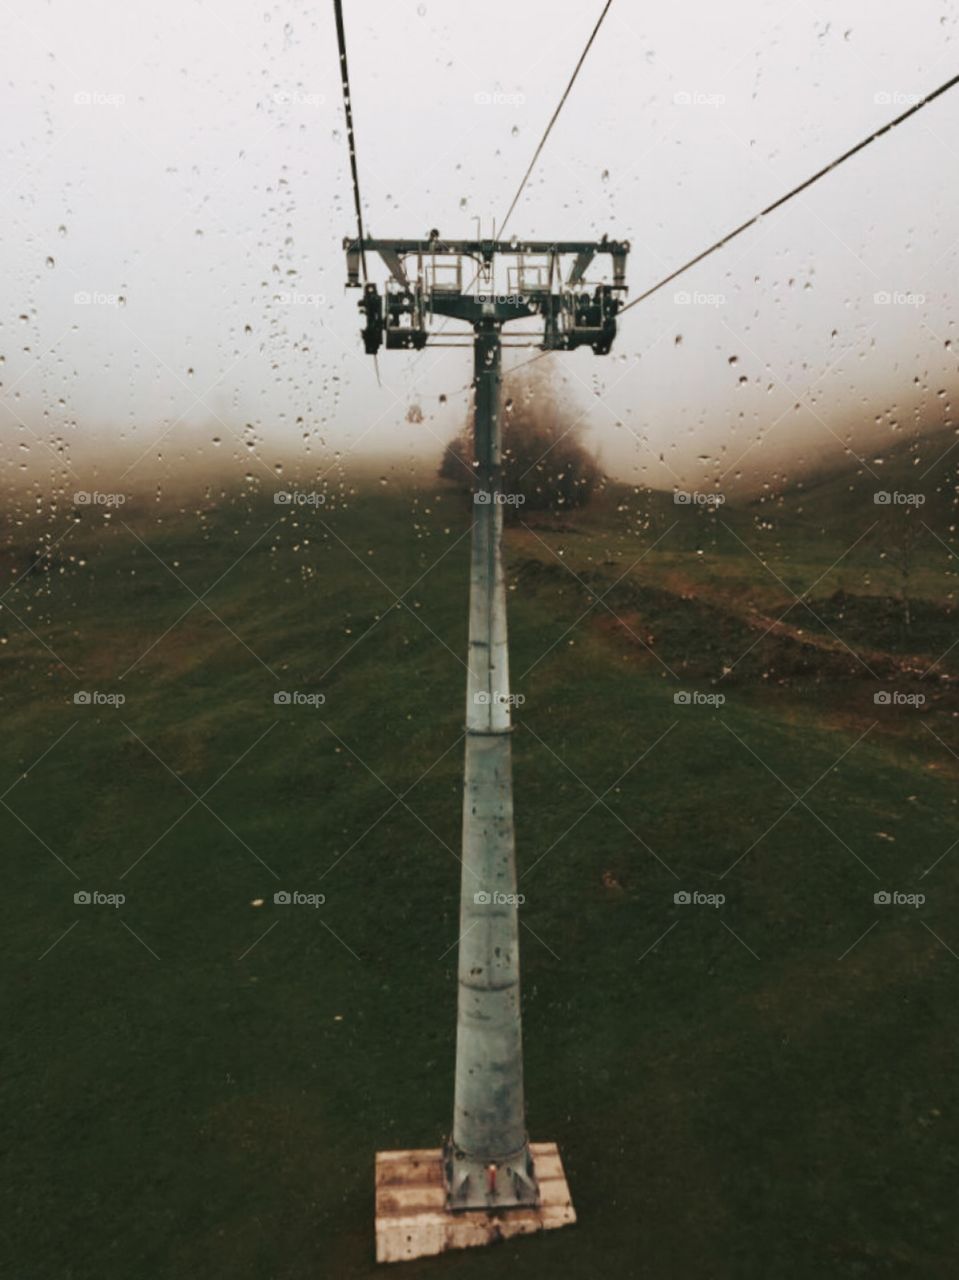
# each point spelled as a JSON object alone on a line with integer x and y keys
{"x": 412, "y": 1219}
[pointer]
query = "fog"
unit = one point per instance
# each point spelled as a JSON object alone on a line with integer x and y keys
{"x": 176, "y": 191}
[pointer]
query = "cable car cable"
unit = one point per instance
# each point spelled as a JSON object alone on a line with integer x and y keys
{"x": 351, "y": 138}
{"x": 554, "y": 117}
{"x": 532, "y": 165}
{"x": 351, "y": 142}
{"x": 803, "y": 186}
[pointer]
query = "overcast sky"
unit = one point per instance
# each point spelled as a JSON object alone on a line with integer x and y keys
{"x": 189, "y": 158}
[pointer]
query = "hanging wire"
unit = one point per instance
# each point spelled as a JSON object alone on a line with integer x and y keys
{"x": 554, "y": 117}
{"x": 803, "y": 186}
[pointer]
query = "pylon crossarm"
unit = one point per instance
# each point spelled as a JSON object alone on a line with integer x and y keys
{"x": 500, "y": 280}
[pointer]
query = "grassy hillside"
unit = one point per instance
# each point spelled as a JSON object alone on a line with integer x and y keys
{"x": 196, "y": 1085}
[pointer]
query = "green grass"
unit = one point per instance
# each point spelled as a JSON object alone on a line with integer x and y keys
{"x": 196, "y": 1086}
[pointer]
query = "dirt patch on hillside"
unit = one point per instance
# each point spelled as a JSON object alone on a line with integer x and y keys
{"x": 700, "y": 637}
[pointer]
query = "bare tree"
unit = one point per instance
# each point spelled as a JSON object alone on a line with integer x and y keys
{"x": 899, "y": 542}
{"x": 544, "y": 457}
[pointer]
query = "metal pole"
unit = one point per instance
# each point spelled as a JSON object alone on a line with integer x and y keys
{"x": 488, "y": 1161}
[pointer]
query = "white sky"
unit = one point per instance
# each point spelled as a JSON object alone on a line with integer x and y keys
{"x": 206, "y": 174}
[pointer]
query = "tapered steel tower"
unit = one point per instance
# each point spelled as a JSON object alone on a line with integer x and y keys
{"x": 488, "y": 1158}
{"x": 487, "y": 1162}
